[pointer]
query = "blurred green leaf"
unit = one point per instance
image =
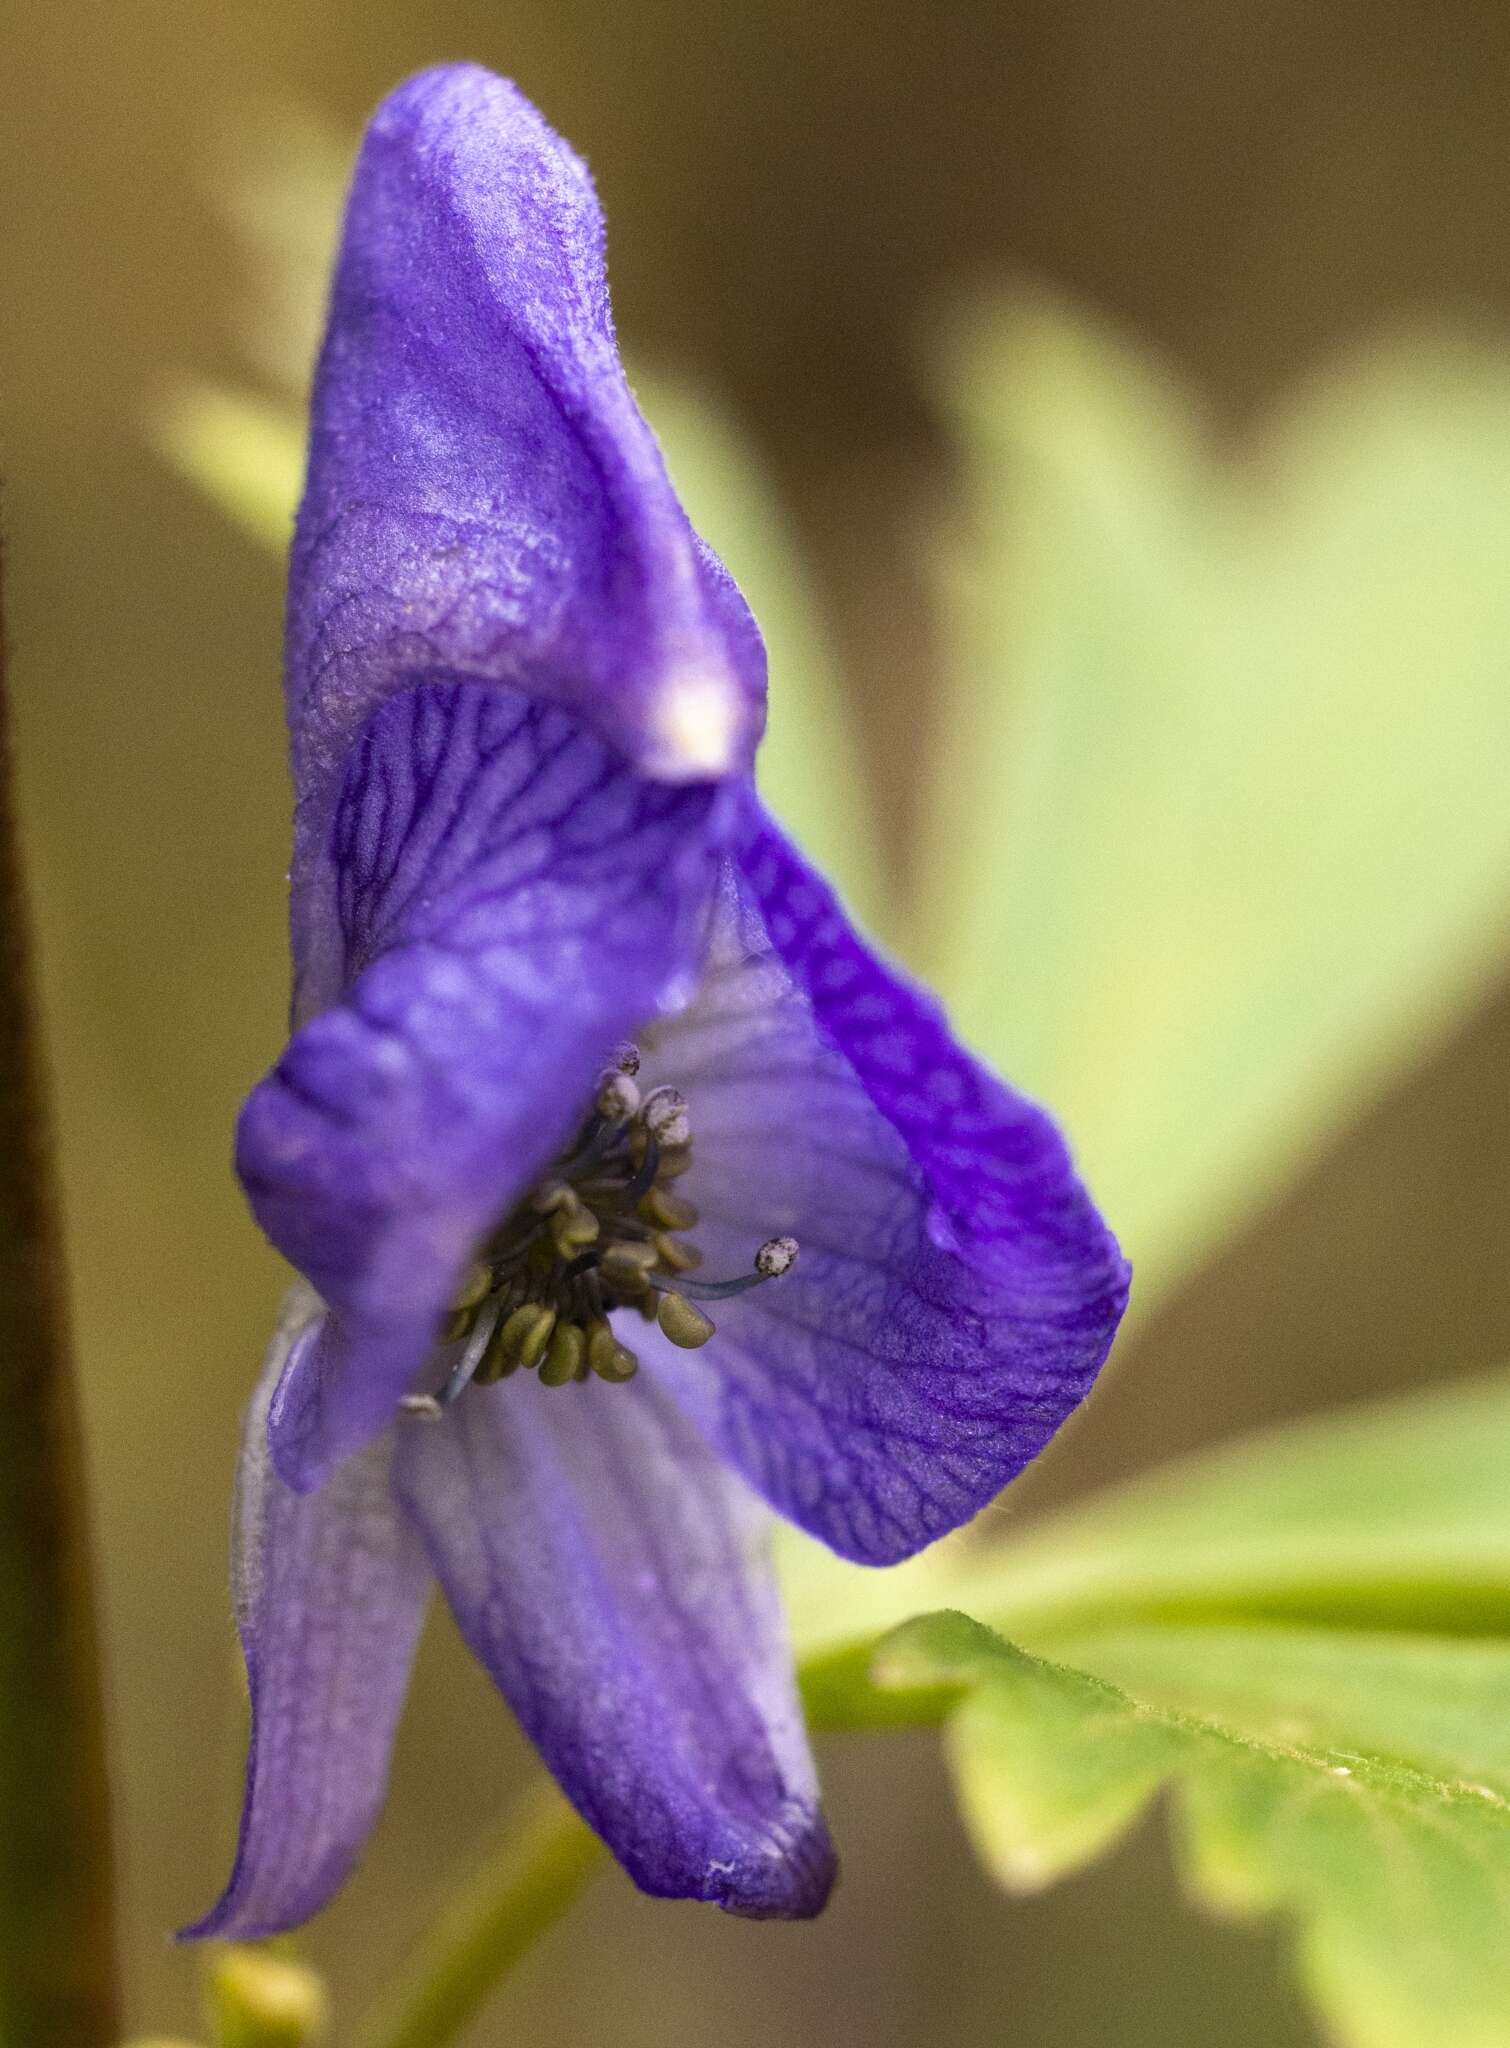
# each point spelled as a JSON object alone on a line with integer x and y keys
{"x": 261, "y": 1998}
{"x": 1386, "y": 1514}
{"x": 1395, "y": 1511}
{"x": 245, "y": 453}
{"x": 1218, "y": 839}
{"x": 1309, "y": 1631}
{"x": 277, "y": 175}
{"x": 1398, "y": 1878}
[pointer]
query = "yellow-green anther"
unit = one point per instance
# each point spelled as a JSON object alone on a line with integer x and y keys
{"x": 532, "y": 1348}
{"x": 527, "y": 1331}
{"x": 675, "y": 1161}
{"x": 499, "y": 1360}
{"x": 626, "y": 1267}
{"x": 574, "y": 1226}
{"x": 456, "y": 1324}
{"x": 617, "y": 1096}
{"x": 682, "y": 1323}
{"x": 476, "y": 1284}
{"x": 608, "y": 1358}
{"x": 676, "y": 1257}
{"x": 567, "y": 1348}
{"x": 667, "y": 1211}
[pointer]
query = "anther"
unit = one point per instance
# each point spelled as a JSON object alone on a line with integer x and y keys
{"x": 617, "y": 1095}
{"x": 667, "y": 1211}
{"x": 527, "y": 1332}
{"x": 676, "y": 1257}
{"x": 430, "y": 1406}
{"x": 476, "y": 1284}
{"x": 682, "y": 1323}
{"x": 608, "y": 1358}
{"x": 626, "y": 1267}
{"x": 563, "y": 1357}
{"x": 573, "y": 1226}
{"x": 664, "y": 1112}
{"x": 643, "y": 1180}
{"x": 498, "y": 1361}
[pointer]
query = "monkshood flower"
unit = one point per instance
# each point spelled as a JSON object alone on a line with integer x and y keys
{"x": 633, "y": 1191}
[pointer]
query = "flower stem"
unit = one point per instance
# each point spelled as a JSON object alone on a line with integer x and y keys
{"x": 57, "y": 1938}
{"x": 543, "y": 1857}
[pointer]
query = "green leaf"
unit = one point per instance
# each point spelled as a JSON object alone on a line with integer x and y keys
{"x": 1218, "y": 841}
{"x": 1394, "y": 1511}
{"x": 1397, "y": 1878}
{"x": 261, "y": 1998}
{"x": 1439, "y": 1703}
{"x": 1307, "y": 1631}
{"x": 1391, "y": 1512}
{"x": 245, "y": 453}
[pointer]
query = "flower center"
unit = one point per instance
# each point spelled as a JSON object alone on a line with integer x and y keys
{"x": 604, "y": 1230}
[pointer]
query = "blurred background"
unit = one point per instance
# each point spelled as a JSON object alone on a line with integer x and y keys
{"x": 801, "y": 195}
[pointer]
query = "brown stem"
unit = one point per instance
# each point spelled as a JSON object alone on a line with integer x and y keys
{"x": 57, "y": 1936}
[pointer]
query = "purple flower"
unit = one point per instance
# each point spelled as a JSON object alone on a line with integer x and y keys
{"x": 632, "y": 1188}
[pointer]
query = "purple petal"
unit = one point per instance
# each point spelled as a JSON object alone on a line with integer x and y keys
{"x": 483, "y": 495}
{"x": 512, "y": 900}
{"x": 611, "y": 1576}
{"x": 956, "y": 1291}
{"x": 330, "y": 1595}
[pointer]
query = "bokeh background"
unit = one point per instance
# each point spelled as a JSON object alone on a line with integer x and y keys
{"x": 796, "y": 190}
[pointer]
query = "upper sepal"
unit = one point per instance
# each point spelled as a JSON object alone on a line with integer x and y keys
{"x": 483, "y": 496}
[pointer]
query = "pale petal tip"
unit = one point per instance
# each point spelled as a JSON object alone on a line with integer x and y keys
{"x": 697, "y": 724}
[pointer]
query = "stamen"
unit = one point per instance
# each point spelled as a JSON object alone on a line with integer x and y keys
{"x": 527, "y": 1332}
{"x": 601, "y": 1234}
{"x": 775, "y": 1257}
{"x": 573, "y": 1226}
{"x": 608, "y": 1358}
{"x": 430, "y": 1407}
{"x": 650, "y": 1166}
{"x": 685, "y": 1325}
{"x": 664, "y": 1112}
{"x": 675, "y": 1257}
{"x": 560, "y": 1363}
{"x": 626, "y": 1267}
{"x": 667, "y": 1211}
{"x": 617, "y": 1096}
{"x": 476, "y": 1285}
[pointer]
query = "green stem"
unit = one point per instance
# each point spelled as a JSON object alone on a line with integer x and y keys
{"x": 57, "y": 1936}
{"x": 543, "y": 1858}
